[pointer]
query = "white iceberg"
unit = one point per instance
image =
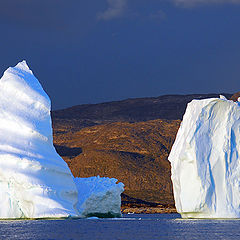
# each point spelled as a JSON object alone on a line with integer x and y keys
{"x": 35, "y": 182}
{"x": 205, "y": 160}
{"x": 103, "y": 191}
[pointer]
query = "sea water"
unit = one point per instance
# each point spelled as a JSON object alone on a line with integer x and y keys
{"x": 130, "y": 227}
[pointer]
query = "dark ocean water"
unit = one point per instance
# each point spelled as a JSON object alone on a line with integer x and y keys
{"x": 130, "y": 227}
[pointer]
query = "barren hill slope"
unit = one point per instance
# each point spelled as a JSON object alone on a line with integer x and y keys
{"x": 171, "y": 107}
{"x": 129, "y": 140}
{"x": 134, "y": 153}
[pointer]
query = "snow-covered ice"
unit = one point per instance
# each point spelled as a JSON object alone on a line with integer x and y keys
{"x": 205, "y": 160}
{"x": 103, "y": 191}
{"x": 35, "y": 182}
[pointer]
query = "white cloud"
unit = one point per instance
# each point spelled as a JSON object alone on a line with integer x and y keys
{"x": 115, "y": 9}
{"x": 191, "y": 3}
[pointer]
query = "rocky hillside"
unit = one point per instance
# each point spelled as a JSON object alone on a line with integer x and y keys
{"x": 171, "y": 107}
{"x": 129, "y": 140}
{"x": 134, "y": 153}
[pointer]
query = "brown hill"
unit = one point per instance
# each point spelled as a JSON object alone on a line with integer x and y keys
{"x": 171, "y": 107}
{"x": 127, "y": 140}
{"x": 134, "y": 153}
{"x": 235, "y": 96}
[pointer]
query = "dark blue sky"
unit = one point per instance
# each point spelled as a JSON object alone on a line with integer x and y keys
{"x": 103, "y": 50}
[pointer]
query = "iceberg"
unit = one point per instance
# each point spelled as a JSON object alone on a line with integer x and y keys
{"x": 35, "y": 182}
{"x": 103, "y": 191}
{"x": 205, "y": 160}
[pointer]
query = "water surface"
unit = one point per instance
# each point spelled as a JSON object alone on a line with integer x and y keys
{"x": 130, "y": 227}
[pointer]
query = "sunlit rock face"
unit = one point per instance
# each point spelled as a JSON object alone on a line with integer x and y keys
{"x": 205, "y": 160}
{"x": 35, "y": 182}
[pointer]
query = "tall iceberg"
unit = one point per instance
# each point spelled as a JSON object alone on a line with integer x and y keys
{"x": 35, "y": 182}
{"x": 205, "y": 160}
